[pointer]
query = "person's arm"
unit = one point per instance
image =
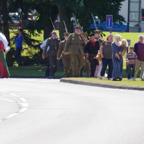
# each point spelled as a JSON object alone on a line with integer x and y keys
{"x": 115, "y": 50}
{"x": 19, "y": 39}
{"x": 135, "y": 47}
{"x": 42, "y": 46}
{"x": 59, "y": 50}
{"x": 101, "y": 51}
{"x": 86, "y": 50}
{"x": 135, "y": 57}
{"x": 102, "y": 48}
{"x": 45, "y": 48}
{"x": 68, "y": 42}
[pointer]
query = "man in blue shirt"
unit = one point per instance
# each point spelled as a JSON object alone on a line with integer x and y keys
{"x": 18, "y": 44}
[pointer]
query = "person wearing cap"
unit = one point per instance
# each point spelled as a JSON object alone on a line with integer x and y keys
{"x": 51, "y": 50}
{"x": 98, "y": 36}
{"x": 91, "y": 50}
{"x": 75, "y": 46}
{"x": 66, "y": 59}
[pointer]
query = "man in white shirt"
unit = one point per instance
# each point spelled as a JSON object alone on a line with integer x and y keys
{"x": 48, "y": 62}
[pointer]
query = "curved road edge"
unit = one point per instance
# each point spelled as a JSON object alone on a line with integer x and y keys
{"x": 100, "y": 85}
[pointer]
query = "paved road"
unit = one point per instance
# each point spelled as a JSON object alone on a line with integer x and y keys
{"x": 40, "y": 111}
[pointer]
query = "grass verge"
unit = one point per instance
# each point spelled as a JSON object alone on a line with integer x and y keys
{"x": 138, "y": 83}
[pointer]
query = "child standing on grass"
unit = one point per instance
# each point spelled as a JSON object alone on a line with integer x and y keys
{"x": 131, "y": 61}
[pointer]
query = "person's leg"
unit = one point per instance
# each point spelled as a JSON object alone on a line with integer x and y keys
{"x": 51, "y": 58}
{"x": 129, "y": 71}
{"x": 55, "y": 64}
{"x": 121, "y": 64}
{"x": 81, "y": 60}
{"x": 48, "y": 68}
{"x": 110, "y": 70}
{"x": 81, "y": 72}
{"x": 142, "y": 70}
{"x": 133, "y": 70}
{"x": 16, "y": 57}
{"x": 65, "y": 64}
{"x": 19, "y": 56}
{"x": 75, "y": 63}
{"x": 69, "y": 66}
{"x": 138, "y": 65}
{"x": 104, "y": 62}
{"x": 93, "y": 67}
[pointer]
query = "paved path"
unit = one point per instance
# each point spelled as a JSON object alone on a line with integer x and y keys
{"x": 41, "y": 111}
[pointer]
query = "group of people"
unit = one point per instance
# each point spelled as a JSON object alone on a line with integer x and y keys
{"x": 93, "y": 55}
{"x": 80, "y": 54}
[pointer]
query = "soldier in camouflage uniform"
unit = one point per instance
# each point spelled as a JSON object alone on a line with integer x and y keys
{"x": 75, "y": 46}
{"x": 50, "y": 50}
{"x": 66, "y": 59}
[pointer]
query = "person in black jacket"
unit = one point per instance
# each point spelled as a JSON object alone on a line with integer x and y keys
{"x": 91, "y": 50}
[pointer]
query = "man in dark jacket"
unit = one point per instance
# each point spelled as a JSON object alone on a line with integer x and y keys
{"x": 51, "y": 50}
{"x": 139, "y": 50}
{"x": 91, "y": 50}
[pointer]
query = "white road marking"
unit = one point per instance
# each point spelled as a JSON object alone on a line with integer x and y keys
{"x": 13, "y": 94}
{"x": 25, "y": 105}
{"x": 12, "y": 115}
{"x": 7, "y": 100}
{"x": 23, "y": 110}
{"x": 21, "y": 102}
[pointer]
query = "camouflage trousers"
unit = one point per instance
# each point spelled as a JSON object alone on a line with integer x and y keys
{"x": 77, "y": 64}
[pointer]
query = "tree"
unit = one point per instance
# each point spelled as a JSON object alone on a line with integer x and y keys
{"x": 5, "y": 17}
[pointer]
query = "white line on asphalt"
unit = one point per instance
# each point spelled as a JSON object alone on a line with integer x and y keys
{"x": 13, "y": 94}
{"x": 7, "y": 100}
{"x": 23, "y": 110}
{"x": 23, "y": 105}
{"x": 22, "y": 99}
{"x": 12, "y": 115}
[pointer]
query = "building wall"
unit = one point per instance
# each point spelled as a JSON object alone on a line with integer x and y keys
{"x": 124, "y": 12}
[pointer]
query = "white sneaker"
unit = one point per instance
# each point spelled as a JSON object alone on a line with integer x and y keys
{"x": 129, "y": 79}
{"x": 133, "y": 79}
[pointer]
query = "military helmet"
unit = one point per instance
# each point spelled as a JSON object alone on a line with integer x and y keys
{"x": 97, "y": 31}
{"x": 77, "y": 27}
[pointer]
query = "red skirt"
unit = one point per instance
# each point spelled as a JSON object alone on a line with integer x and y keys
{"x": 3, "y": 71}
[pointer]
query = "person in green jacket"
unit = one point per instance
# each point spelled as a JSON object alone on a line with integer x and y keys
{"x": 66, "y": 59}
{"x": 75, "y": 46}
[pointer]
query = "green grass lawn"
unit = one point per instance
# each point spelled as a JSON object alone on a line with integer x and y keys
{"x": 40, "y": 71}
{"x": 124, "y": 82}
{"x": 30, "y": 71}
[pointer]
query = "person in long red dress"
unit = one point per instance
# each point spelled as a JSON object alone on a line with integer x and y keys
{"x": 4, "y": 72}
